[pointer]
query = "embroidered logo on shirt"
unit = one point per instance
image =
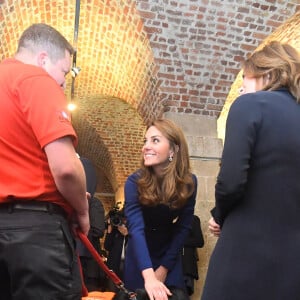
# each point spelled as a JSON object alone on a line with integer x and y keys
{"x": 64, "y": 116}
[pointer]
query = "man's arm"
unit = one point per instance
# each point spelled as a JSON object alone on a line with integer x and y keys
{"x": 69, "y": 177}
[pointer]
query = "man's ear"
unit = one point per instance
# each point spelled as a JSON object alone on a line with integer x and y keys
{"x": 42, "y": 58}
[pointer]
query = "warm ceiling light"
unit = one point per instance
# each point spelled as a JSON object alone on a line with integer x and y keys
{"x": 72, "y": 106}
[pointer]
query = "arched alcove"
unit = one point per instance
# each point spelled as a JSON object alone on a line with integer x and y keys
{"x": 110, "y": 133}
{"x": 289, "y": 32}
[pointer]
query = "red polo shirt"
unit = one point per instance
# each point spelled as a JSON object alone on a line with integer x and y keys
{"x": 33, "y": 114}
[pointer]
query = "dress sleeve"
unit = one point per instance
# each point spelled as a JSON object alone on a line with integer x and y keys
{"x": 243, "y": 122}
{"x": 135, "y": 223}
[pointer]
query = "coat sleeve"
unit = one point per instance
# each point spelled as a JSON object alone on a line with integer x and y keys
{"x": 96, "y": 213}
{"x": 242, "y": 125}
{"x": 183, "y": 226}
{"x": 195, "y": 237}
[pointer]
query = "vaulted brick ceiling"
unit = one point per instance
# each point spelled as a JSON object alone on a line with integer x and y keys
{"x": 116, "y": 91}
{"x": 141, "y": 58}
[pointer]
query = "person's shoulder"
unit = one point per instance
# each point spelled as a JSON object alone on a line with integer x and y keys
{"x": 131, "y": 183}
{"x": 249, "y": 102}
{"x": 196, "y": 218}
{"x": 245, "y": 98}
{"x": 194, "y": 178}
{"x": 280, "y": 94}
{"x": 9, "y": 61}
{"x": 259, "y": 97}
{"x": 133, "y": 176}
{"x": 94, "y": 201}
{"x": 23, "y": 72}
{"x": 24, "y": 69}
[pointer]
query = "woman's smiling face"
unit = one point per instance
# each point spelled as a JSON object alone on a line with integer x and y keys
{"x": 156, "y": 150}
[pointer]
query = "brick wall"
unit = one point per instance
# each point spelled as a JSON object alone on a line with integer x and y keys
{"x": 198, "y": 46}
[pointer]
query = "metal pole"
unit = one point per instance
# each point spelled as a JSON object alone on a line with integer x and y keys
{"x": 76, "y": 26}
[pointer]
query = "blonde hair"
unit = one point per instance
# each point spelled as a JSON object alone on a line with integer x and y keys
{"x": 279, "y": 66}
{"x": 176, "y": 184}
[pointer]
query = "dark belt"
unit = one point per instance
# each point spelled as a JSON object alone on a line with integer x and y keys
{"x": 39, "y": 206}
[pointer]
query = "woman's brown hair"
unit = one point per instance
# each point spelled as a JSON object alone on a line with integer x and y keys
{"x": 278, "y": 64}
{"x": 176, "y": 184}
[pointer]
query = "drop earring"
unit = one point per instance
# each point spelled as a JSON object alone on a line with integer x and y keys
{"x": 170, "y": 158}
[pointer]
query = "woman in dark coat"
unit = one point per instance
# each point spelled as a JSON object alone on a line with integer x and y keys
{"x": 159, "y": 206}
{"x": 257, "y": 212}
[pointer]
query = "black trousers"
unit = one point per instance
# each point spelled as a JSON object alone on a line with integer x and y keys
{"x": 37, "y": 256}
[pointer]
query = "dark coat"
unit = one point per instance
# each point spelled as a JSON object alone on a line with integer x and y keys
{"x": 96, "y": 210}
{"x": 189, "y": 256}
{"x": 154, "y": 237}
{"x": 113, "y": 243}
{"x": 93, "y": 274}
{"x": 258, "y": 202}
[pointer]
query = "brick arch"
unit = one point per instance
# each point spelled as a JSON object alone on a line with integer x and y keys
{"x": 113, "y": 50}
{"x": 89, "y": 145}
{"x": 115, "y": 57}
{"x": 196, "y": 46}
{"x": 289, "y": 32}
{"x": 116, "y": 61}
{"x": 156, "y": 56}
{"x": 111, "y": 133}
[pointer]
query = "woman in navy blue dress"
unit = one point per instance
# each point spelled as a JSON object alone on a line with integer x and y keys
{"x": 159, "y": 206}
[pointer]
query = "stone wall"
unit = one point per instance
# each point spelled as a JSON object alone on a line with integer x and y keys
{"x": 205, "y": 152}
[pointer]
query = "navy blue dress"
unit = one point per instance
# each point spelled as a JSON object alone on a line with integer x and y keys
{"x": 156, "y": 237}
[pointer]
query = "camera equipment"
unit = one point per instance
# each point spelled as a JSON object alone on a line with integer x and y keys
{"x": 116, "y": 216}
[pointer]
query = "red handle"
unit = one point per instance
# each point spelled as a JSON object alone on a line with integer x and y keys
{"x": 99, "y": 259}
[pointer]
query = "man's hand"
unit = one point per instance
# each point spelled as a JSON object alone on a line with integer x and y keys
{"x": 83, "y": 222}
{"x": 81, "y": 219}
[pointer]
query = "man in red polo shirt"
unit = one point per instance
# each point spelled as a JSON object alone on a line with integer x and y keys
{"x": 42, "y": 185}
